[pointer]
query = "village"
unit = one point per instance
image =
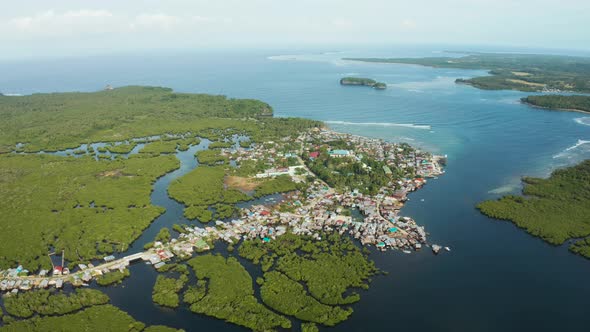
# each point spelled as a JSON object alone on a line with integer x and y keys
{"x": 372, "y": 219}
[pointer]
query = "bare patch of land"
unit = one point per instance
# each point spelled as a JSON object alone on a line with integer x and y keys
{"x": 526, "y": 83}
{"x": 241, "y": 183}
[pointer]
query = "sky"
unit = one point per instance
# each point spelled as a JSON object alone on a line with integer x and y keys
{"x": 38, "y": 28}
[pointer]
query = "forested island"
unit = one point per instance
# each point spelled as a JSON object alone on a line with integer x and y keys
{"x": 575, "y": 103}
{"x": 523, "y": 72}
{"x": 556, "y": 209}
{"x": 364, "y": 82}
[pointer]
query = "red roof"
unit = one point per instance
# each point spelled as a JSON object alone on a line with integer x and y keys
{"x": 264, "y": 213}
{"x": 314, "y": 154}
{"x": 58, "y": 268}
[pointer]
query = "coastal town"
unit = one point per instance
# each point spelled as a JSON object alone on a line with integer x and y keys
{"x": 371, "y": 216}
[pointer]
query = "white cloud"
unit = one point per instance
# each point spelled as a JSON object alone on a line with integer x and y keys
{"x": 50, "y": 23}
{"x": 157, "y": 21}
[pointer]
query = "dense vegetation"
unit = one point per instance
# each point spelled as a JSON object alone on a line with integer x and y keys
{"x": 279, "y": 184}
{"x": 97, "y": 318}
{"x": 225, "y": 292}
{"x": 289, "y": 297}
{"x": 46, "y": 303}
{"x": 328, "y": 269}
{"x": 121, "y": 148}
{"x": 349, "y": 173}
{"x": 555, "y": 209}
{"x": 112, "y": 277}
{"x": 202, "y": 188}
{"x": 524, "y": 72}
{"x": 64, "y": 120}
{"x": 363, "y": 81}
{"x": 579, "y": 103}
{"x": 211, "y": 157}
{"x": 166, "y": 290}
{"x": 85, "y": 207}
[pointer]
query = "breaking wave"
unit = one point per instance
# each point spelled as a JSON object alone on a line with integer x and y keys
{"x": 564, "y": 153}
{"x": 583, "y": 121}
{"x": 382, "y": 124}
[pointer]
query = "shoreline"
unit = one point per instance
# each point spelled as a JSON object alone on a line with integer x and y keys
{"x": 553, "y": 109}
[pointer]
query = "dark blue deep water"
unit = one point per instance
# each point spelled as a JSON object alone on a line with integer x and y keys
{"x": 497, "y": 277}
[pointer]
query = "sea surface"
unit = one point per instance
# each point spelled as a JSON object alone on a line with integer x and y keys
{"x": 496, "y": 278}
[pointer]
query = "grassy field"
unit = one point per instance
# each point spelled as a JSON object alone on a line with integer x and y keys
{"x": 555, "y": 209}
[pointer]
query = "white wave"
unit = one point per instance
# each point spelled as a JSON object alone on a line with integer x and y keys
{"x": 12, "y": 95}
{"x": 382, "y": 124}
{"x": 583, "y": 121}
{"x": 575, "y": 146}
{"x": 580, "y": 143}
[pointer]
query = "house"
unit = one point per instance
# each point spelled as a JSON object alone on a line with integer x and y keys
{"x": 57, "y": 270}
{"x": 340, "y": 153}
{"x": 109, "y": 258}
{"x": 314, "y": 154}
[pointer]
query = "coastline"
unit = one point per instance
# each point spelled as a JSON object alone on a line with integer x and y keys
{"x": 554, "y": 109}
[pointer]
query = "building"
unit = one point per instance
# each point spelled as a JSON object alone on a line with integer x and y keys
{"x": 340, "y": 153}
{"x": 57, "y": 271}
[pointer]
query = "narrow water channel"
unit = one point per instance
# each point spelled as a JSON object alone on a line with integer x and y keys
{"x": 159, "y": 197}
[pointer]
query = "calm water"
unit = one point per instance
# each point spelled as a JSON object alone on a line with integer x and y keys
{"x": 497, "y": 278}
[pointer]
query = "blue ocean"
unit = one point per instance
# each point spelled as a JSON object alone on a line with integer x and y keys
{"x": 496, "y": 277}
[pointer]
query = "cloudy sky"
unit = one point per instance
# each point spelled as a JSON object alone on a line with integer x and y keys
{"x": 67, "y": 27}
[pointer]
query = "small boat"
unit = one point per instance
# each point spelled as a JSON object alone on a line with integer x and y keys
{"x": 407, "y": 252}
{"x": 447, "y": 249}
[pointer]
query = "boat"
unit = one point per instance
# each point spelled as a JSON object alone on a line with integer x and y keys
{"x": 436, "y": 248}
{"x": 447, "y": 249}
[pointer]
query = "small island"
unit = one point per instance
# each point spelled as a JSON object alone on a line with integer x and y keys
{"x": 363, "y": 81}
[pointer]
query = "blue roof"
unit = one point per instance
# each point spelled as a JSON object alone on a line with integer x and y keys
{"x": 340, "y": 152}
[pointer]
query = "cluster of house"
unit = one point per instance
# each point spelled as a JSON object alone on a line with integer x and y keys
{"x": 15, "y": 280}
{"x": 372, "y": 219}
{"x": 394, "y": 155}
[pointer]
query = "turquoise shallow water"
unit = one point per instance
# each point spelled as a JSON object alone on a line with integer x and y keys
{"x": 497, "y": 278}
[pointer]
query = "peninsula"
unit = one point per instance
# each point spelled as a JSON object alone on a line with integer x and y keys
{"x": 295, "y": 198}
{"x": 556, "y": 209}
{"x": 364, "y": 82}
{"x": 523, "y": 72}
{"x": 574, "y": 103}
